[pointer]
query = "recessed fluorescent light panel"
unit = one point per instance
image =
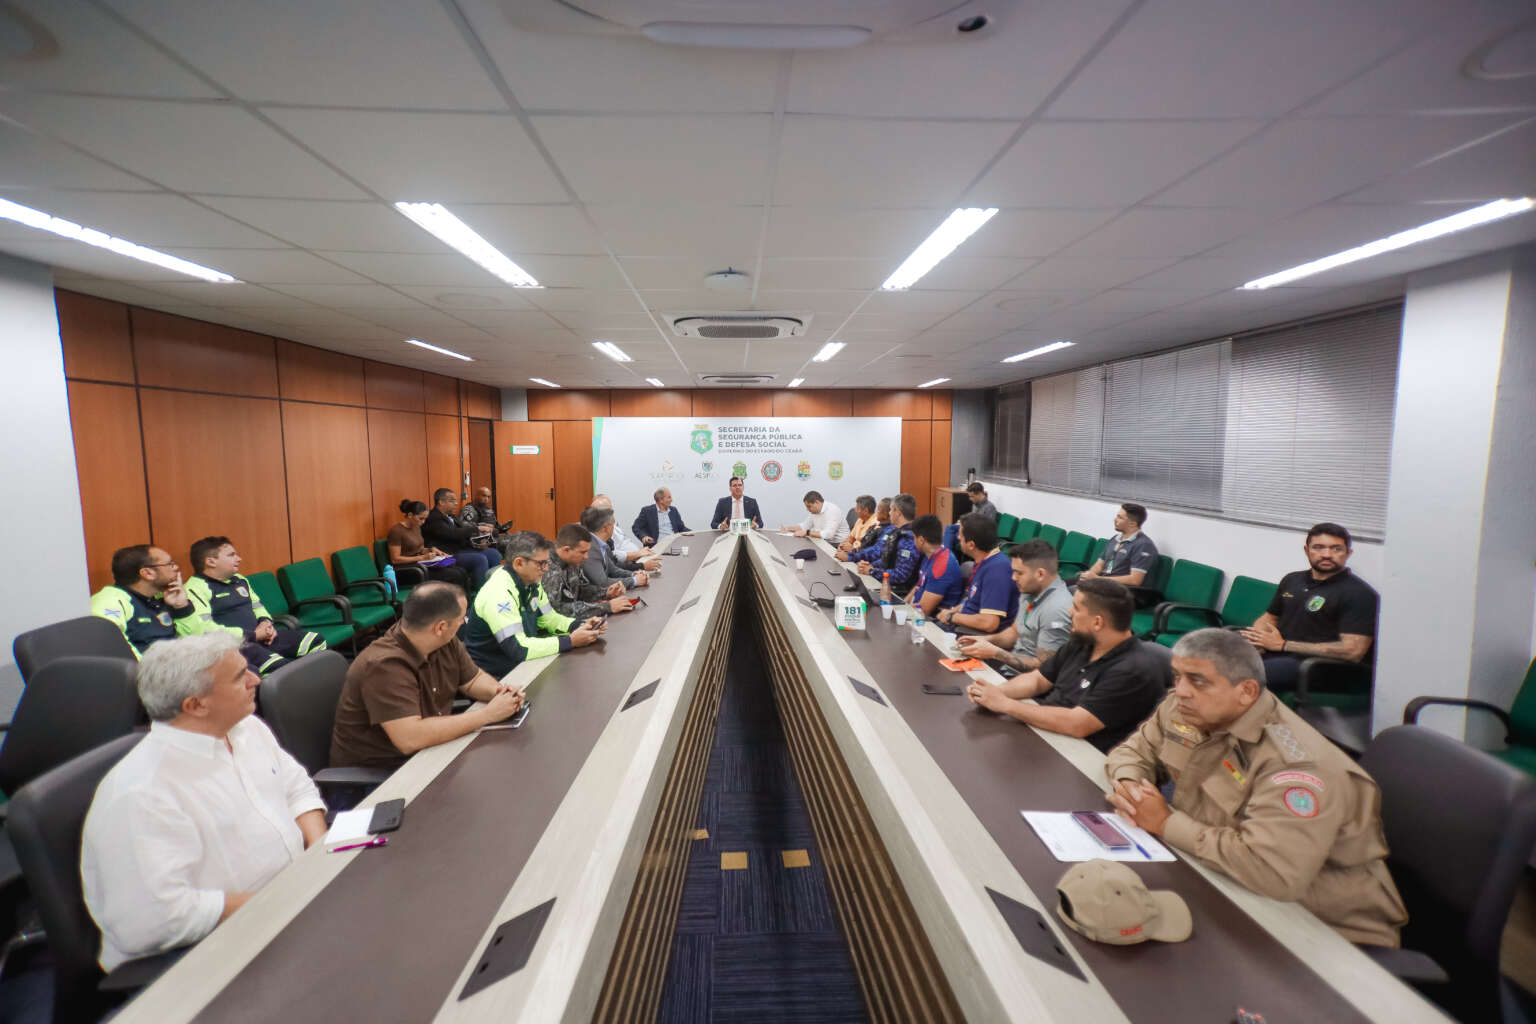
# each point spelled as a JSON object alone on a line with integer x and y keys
{"x": 90, "y": 236}
{"x": 936, "y": 380}
{"x": 828, "y": 350}
{"x": 1487, "y": 213}
{"x": 612, "y": 351}
{"x": 1042, "y": 350}
{"x": 434, "y": 348}
{"x": 435, "y": 218}
{"x": 797, "y": 382}
{"x": 546, "y": 383}
{"x": 653, "y": 382}
{"x": 946, "y": 238}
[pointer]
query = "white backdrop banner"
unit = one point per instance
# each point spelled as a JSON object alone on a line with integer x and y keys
{"x": 781, "y": 457}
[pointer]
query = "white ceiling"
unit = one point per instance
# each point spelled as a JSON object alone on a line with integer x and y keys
{"x": 1148, "y": 156}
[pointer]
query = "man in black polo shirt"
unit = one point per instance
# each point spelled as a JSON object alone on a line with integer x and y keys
{"x": 1325, "y": 611}
{"x": 1098, "y": 687}
{"x": 1130, "y": 554}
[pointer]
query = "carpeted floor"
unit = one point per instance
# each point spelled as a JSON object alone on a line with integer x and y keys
{"x": 757, "y": 938}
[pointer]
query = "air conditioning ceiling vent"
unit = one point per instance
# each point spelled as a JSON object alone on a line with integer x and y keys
{"x": 735, "y": 379}
{"x": 738, "y": 326}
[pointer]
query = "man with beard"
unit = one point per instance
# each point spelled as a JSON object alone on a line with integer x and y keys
{"x": 1099, "y": 687}
{"x": 1325, "y": 611}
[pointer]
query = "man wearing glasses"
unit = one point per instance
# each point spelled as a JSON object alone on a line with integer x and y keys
{"x": 513, "y": 619}
{"x": 145, "y": 598}
{"x": 399, "y": 693}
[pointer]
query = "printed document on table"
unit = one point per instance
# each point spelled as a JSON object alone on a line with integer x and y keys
{"x": 349, "y": 827}
{"x": 1070, "y": 842}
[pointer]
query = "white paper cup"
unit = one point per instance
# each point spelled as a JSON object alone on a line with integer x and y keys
{"x": 900, "y": 611}
{"x": 685, "y": 549}
{"x": 885, "y": 610}
{"x": 799, "y": 565}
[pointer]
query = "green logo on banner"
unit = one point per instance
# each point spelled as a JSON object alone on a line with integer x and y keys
{"x": 739, "y": 469}
{"x": 702, "y": 441}
{"x": 835, "y": 470}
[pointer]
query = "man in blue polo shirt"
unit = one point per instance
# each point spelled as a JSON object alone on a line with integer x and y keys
{"x": 992, "y": 598}
{"x": 940, "y": 583}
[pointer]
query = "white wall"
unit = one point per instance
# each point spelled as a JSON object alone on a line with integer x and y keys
{"x": 37, "y": 462}
{"x": 1238, "y": 549}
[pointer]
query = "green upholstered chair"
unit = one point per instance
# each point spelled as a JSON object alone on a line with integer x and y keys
{"x": 1072, "y": 572}
{"x": 1052, "y": 535}
{"x": 1246, "y": 601}
{"x": 1006, "y": 524}
{"x": 1519, "y": 721}
{"x": 381, "y": 553}
{"x": 1028, "y": 529}
{"x": 313, "y": 596}
{"x": 1075, "y": 553}
{"x": 356, "y": 576}
{"x": 275, "y": 601}
{"x": 1190, "y": 583}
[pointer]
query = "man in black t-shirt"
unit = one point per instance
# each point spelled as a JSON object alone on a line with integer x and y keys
{"x": 1325, "y": 611}
{"x": 1098, "y": 687}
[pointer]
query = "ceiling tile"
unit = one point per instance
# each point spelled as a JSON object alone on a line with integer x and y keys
{"x": 1301, "y": 162}
{"x": 32, "y": 161}
{"x": 313, "y": 319}
{"x": 1065, "y": 273}
{"x": 1005, "y": 72}
{"x": 1497, "y": 168}
{"x": 1322, "y": 231}
{"x": 829, "y": 231}
{"x": 1102, "y": 163}
{"x": 118, "y": 290}
{"x": 438, "y": 157}
{"x": 317, "y": 224}
{"x": 413, "y": 320}
{"x": 271, "y": 266}
{"x": 695, "y": 300}
{"x": 795, "y": 274}
{"x": 558, "y": 230}
{"x": 882, "y": 163}
{"x": 337, "y": 296}
{"x": 557, "y": 300}
{"x": 154, "y": 219}
{"x": 918, "y": 301}
{"x": 596, "y": 272}
{"x": 230, "y": 295}
{"x": 684, "y": 275}
{"x": 720, "y": 235}
{"x": 489, "y": 298}
{"x": 84, "y": 49}
{"x": 588, "y": 323}
{"x": 1152, "y": 232}
{"x": 1033, "y": 233}
{"x": 450, "y": 270}
{"x": 632, "y": 160}
{"x": 825, "y": 303}
{"x": 406, "y": 53}
{"x": 189, "y": 147}
{"x": 1213, "y": 58}
{"x": 78, "y": 257}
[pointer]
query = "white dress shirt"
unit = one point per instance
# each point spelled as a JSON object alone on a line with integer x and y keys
{"x": 831, "y": 523}
{"x": 623, "y": 543}
{"x": 180, "y": 821}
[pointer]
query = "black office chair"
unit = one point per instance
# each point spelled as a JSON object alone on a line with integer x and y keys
{"x": 1461, "y": 825}
{"x": 298, "y": 702}
{"x": 47, "y": 820}
{"x": 87, "y": 635}
{"x": 70, "y": 705}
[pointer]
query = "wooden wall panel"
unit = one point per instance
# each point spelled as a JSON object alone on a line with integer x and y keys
{"x": 329, "y": 500}
{"x": 440, "y": 394}
{"x": 910, "y": 405}
{"x": 94, "y": 333}
{"x": 943, "y": 404}
{"x": 482, "y": 401}
{"x": 392, "y": 387}
{"x": 175, "y": 352}
{"x": 731, "y": 402}
{"x": 567, "y": 405}
{"x": 916, "y": 463}
{"x": 573, "y": 469}
{"x": 829, "y": 402}
{"x": 228, "y": 480}
{"x": 397, "y": 461}
{"x": 309, "y": 374}
{"x": 938, "y": 475}
{"x": 110, "y": 463}
{"x": 632, "y": 402}
{"x": 445, "y": 459}
{"x": 478, "y": 447}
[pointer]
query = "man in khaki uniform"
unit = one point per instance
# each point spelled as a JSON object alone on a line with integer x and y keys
{"x": 1258, "y": 793}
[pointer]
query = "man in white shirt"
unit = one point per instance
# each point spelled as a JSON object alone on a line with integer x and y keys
{"x": 203, "y": 812}
{"x": 825, "y": 520}
{"x": 626, "y": 550}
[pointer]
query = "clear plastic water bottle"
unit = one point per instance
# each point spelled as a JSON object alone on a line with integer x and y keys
{"x": 916, "y": 620}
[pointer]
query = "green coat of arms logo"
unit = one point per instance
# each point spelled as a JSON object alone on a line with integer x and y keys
{"x": 835, "y": 470}
{"x": 702, "y": 440}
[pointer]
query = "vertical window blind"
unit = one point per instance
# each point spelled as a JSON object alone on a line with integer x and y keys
{"x": 1290, "y": 426}
{"x": 1010, "y": 432}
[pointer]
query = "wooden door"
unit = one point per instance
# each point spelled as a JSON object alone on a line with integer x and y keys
{"x": 525, "y": 482}
{"x": 480, "y": 458}
{"x": 573, "y": 469}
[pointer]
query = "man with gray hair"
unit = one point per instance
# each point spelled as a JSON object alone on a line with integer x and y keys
{"x": 627, "y": 551}
{"x": 1258, "y": 794}
{"x": 204, "y": 811}
{"x": 602, "y": 567}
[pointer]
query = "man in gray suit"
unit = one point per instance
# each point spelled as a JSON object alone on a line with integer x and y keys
{"x": 601, "y": 566}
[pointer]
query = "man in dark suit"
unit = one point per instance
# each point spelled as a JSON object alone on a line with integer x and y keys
{"x": 441, "y": 531}
{"x": 737, "y": 506}
{"x": 648, "y": 527}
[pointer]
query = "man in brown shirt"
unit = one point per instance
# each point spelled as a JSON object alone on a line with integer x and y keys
{"x": 1258, "y": 794}
{"x": 399, "y": 693}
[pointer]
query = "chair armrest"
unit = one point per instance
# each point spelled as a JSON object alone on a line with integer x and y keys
{"x": 1146, "y": 597}
{"x": 416, "y": 572}
{"x": 378, "y": 583}
{"x": 285, "y": 622}
{"x": 1167, "y": 608}
{"x": 1407, "y": 965}
{"x": 1313, "y": 669}
{"x": 136, "y": 974}
{"x": 351, "y": 776}
{"x": 1411, "y": 712}
{"x": 334, "y": 600}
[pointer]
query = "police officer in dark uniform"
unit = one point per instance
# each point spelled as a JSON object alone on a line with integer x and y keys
{"x": 145, "y": 598}
{"x": 225, "y": 600}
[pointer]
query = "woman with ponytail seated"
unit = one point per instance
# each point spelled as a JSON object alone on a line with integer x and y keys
{"x": 407, "y": 548}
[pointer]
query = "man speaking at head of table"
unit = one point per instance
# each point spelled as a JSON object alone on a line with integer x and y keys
{"x": 737, "y": 506}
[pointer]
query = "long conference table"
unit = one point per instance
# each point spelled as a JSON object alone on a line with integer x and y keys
{"x": 538, "y": 871}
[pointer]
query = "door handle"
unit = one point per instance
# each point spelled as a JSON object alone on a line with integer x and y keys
{"x": 551, "y": 494}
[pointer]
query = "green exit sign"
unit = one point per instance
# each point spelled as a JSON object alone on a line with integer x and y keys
{"x": 525, "y": 449}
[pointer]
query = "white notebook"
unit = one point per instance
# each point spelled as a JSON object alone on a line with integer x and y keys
{"x": 1070, "y": 842}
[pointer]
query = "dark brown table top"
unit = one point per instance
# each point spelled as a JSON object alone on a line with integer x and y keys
{"x": 1000, "y": 766}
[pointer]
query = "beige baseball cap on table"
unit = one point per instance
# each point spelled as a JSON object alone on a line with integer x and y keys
{"x": 1108, "y": 902}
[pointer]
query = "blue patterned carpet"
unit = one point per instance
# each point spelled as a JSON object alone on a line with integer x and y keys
{"x": 760, "y": 942}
